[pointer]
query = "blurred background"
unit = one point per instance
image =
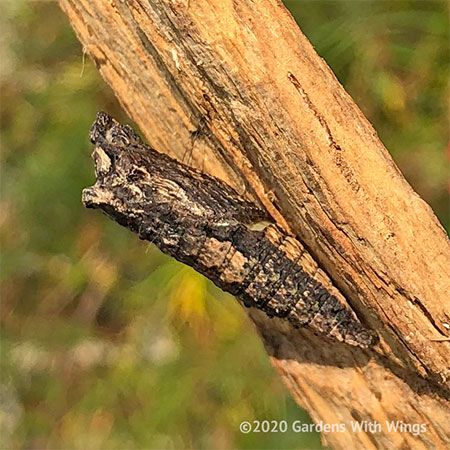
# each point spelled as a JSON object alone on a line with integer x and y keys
{"x": 107, "y": 343}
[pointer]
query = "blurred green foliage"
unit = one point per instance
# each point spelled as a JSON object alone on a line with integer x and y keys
{"x": 105, "y": 342}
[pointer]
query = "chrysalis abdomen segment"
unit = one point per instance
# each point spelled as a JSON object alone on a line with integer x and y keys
{"x": 264, "y": 269}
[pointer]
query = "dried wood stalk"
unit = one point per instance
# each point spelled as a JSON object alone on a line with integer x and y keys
{"x": 237, "y": 83}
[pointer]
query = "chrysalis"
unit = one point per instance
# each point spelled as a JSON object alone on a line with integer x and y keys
{"x": 203, "y": 222}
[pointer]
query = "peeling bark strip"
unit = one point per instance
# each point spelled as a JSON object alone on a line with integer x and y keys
{"x": 202, "y": 222}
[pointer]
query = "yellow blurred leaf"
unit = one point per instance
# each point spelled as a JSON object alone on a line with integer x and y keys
{"x": 392, "y": 93}
{"x": 187, "y": 298}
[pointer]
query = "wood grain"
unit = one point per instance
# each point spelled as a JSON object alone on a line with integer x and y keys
{"x": 238, "y": 84}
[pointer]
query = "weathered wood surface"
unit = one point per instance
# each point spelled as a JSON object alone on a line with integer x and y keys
{"x": 237, "y": 85}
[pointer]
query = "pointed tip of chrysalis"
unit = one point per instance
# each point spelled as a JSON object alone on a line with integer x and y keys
{"x": 103, "y": 122}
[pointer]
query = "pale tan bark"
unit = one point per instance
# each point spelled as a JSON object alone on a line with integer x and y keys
{"x": 238, "y": 85}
